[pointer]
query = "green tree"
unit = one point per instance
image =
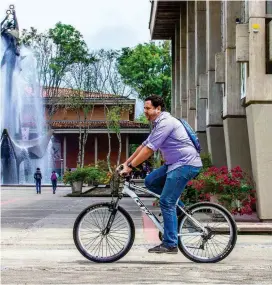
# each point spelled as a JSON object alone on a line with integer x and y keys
{"x": 57, "y": 51}
{"x": 70, "y": 48}
{"x": 142, "y": 119}
{"x": 147, "y": 69}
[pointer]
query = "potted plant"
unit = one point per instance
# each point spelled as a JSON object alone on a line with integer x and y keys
{"x": 89, "y": 175}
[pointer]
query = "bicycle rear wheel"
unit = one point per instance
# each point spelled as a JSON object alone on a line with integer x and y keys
{"x": 97, "y": 245}
{"x": 213, "y": 244}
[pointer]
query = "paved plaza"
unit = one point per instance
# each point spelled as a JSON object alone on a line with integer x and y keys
{"x": 38, "y": 248}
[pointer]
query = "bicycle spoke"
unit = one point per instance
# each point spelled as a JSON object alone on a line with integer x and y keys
{"x": 100, "y": 244}
{"x": 211, "y": 244}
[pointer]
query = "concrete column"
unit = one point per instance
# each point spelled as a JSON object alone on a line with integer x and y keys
{"x": 237, "y": 144}
{"x": 64, "y": 153}
{"x": 232, "y": 99}
{"x": 259, "y": 85}
{"x": 202, "y": 136}
{"x": 234, "y": 119}
{"x": 200, "y": 68}
{"x": 191, "y": 87}
{"x": 200, "y": 121}
{"x": 215, "y": 131}
{"x": 127, "y": 146}
{"x": 183, "y": 59}
{"x": 259, "y": 118}
{"x": 173, "y": 86}
{"x": 200, "y": 39}
{"x": 259, "y": 110}
{"x": 95, "y": 149}
{"x": 191, "y": 118}
{"x": 177, "y": 72}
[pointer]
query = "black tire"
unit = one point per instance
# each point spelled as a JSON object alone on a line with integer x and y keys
{"x": 116, "y": 256}
{"x": 230, "y": 221}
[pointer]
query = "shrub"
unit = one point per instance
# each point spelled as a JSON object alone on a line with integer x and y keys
{"x": 233, "y": 189}
{"x": 89, "y": 175}
{"x": 206, "y": 160}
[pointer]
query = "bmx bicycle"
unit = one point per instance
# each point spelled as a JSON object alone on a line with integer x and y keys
{"x": 105, "y": 232}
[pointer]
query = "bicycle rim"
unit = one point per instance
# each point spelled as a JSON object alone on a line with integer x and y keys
{"x": 94, "y": 244}
{"x": 216, "y": 243}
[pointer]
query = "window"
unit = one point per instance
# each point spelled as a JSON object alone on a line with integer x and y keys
{"x": 268, "y": 37}
{"x": 269, "y": 7}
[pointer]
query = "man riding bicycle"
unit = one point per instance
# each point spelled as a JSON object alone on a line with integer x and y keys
{"x": 182, "y": 163}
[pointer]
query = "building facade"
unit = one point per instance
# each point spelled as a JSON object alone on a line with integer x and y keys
{"x": 65, "y": 123}
{"x": 222, "y": 80}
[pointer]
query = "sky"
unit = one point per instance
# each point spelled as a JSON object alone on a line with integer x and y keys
{"x": 103, "y": 23}
{"x": 108, "y": 24}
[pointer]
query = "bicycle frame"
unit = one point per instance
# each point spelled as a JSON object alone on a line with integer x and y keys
{"x": 130, "y": 189}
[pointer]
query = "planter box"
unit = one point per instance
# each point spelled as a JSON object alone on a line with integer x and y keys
{"x": 253, "y": 218}
{"x": 77, "y": 187}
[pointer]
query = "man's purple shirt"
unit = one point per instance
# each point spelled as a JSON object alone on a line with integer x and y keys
{"x": 170, "y": 137}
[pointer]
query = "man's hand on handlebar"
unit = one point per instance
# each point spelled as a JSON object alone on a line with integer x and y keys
{"x": 124, "y": 170}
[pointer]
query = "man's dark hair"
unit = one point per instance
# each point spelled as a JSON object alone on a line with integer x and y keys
{"x": 156, "y": 101}
{"x": 38, "y": 168}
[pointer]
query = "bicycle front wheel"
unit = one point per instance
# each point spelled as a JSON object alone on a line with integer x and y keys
{"x": 216, "y": 241}
{"x": 98, "y": 245}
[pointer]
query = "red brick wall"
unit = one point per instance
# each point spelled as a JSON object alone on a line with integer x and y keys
{"x": 102, "y": 142}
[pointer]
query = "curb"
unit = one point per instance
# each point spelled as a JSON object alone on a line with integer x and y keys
{"x": 254, "y": 228}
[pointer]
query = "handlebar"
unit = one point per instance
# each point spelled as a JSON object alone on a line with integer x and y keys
{"x": 127, "y": 177}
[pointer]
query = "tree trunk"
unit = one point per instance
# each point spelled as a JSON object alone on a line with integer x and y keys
{"x": 85, "y": 137}
{"x": 120, "y": 148}
{"x": 79, "y": 156}
{"x": 109, "y": 139}
{"x": 109, "y": 152}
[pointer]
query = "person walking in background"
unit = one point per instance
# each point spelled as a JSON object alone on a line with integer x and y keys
{"x": 38, "y": 180}
{"x": 54, "y": 180}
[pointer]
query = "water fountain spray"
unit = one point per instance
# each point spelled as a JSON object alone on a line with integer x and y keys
{"x": 24, "y": 140}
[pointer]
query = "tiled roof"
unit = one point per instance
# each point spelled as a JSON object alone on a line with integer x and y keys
{"x": 95, "y": 124}
{"x": 67, "y": 92}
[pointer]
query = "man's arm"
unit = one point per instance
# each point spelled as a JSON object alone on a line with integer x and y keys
{"x": 136, "y": 152}
{"x": 143, "y": 155}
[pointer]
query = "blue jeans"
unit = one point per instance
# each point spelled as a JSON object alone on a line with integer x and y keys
{"x": 38, "y": 185}
{"x": 170, "y": 186}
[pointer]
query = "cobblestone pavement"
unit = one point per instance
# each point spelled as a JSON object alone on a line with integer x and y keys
{"x": 38, "y": 248}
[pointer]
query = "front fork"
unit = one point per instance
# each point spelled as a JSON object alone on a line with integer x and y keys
{"x": 113, "y": 209}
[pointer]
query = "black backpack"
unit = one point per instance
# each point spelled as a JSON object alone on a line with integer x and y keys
{"x": 38, "y": 175}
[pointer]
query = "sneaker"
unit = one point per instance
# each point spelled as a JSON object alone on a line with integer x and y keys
{"x": 163, "y": 249}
